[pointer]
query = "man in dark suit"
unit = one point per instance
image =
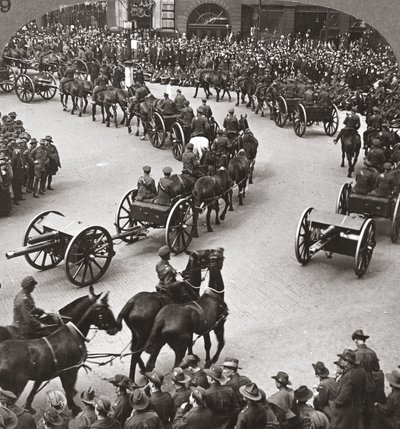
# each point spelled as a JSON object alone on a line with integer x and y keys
{"x": 235, "y": 380}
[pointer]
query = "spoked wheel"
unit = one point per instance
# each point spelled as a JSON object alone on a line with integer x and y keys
{"x": 331, "y": 126}
{"x": 81, "y": 69}
{"x": 342, "y": 202}
{"x": 46, "y": 258}
{"x": 302, "y": 241}
{"x": 310, "y": 123}
{"x": 281, "y": 112}
{"x": 25, "y": 88}
{"x": 396, "y": 222}
{"x": 300, "y": 120}
{"x": 365, "y": 248}
{"x": 88, "y": 256}
{"x": 177, "y": 140}
{"x": 180, "y": 225}
{"x": 9, "y": 84}
{"x": 156, "y": 130}
{"x": 123, "y": 219}
{"x": 47, "y": 92}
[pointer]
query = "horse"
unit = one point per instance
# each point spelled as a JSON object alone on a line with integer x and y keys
{"x": 238, "y": 170}
{"x": 246, "y": 86}
{"x": 351, "y": 145}
{"x": 209, "y": 189}
{"x": 140, "y": 311}
{"x": 262, "y": 95}
{"x": 143, "y": 111}
{"x": 49, "y": 62}
{"x": 175, "y": 324}
{"x": 181, "y": 184}
{"x": 109, "y": 98}
{"x": 60, "y": 354}
{"x": 249, "y": 143}
{"x": 219, "y": 79}
{"x": 77, "y": 89}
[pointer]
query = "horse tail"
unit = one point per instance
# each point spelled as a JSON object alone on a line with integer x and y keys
{"x": 154, "y": 341}
{"x": 124, "y": 313}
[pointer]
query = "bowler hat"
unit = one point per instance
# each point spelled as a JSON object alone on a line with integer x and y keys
{"x": 7, "y": 396}
{"x": 250, "y": 391}
{"x": 88, "y": 396}
{"x": 215, "y": 372}
{"x": 359, "y": 334}
{"x": 282, "y": 378}
{"x": 103, "y": 403}
{"x": 320, "y": 369}
{"x": 349, "y": 356}
{"x": 230, "y": 362}
{"x": 163, "y": 251}
{"x": 179, "y": 376}
{"x": 167, "y": 170}
{"x": 27, "y": 282}
{"x": 155, "y": 376}
{"x": 198, "y": 393}
{"x": 394, "y": 378}
{"x": 52, "y": 417}
{"x": 303, "y": 394}
{"x": 120, "y": 381}
{"x": 139, "y": 400}
{"x": 146, "y": 169}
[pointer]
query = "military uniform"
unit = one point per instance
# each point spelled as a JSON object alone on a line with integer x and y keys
{"x": 376, "y": 156}
{"x": 190, "y": 163}
{"x": 231, "y": 126}
{"x": 146, "y": 188}
{"x": 365, "y": 180}
{"x": 144, "y": 419}
{"x": 26, "y": 315}
{"x": 102, "y": 82}
{"x": 327, "y": 392}
{"x": 253, "y": 416}
{"x": 179, "y": 102}
{"x": 167, "y": 107}
{"x": 220, "y": 145}
{"x": 166, "y": 274}
{"x": 199, "y": 126}
{"x": 308, "y": 99}
{"x": 384, "y": 186}
{"x": 207, "y": 111}
{"x": 39, "y": 157}
{"x": 186, "y": 116}
{"x": 122, "y": 407}
{"x": 199, "y": 417}
{"x": 164, "y": 192}
{"x": 69, "y": 75}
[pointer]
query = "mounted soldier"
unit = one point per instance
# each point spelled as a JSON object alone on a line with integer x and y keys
{"x": 374, "y": 125}
{"x": 352, "y": 124}
{"x": 68, "y": 75}
{"x": 231, "y": 126}
{"x": 166, "y": 273}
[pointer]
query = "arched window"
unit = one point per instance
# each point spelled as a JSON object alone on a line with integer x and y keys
{"x": 208, "y": 20}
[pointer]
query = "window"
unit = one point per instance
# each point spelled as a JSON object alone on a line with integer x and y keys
{"x": 168, "y": 14}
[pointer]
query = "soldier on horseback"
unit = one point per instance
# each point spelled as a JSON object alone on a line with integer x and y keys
{"x": 352, "y": 124}
{"x": 231, "y": 125}
{"x": 68, "y": 76}
{"x": 221, "y": 144}
{"x": 102, "y": 82}
{"x": 374, "y": 125}
{"x": 190, "y": 162}
{"x": 166, "y": 273}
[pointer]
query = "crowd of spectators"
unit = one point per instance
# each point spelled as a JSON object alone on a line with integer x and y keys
{"x": 25, "y": 165}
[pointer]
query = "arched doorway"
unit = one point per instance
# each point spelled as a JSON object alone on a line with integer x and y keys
{"x": 208, "y": 20}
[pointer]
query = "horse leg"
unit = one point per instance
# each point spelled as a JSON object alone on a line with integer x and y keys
{"x": 237, "y": 95}
{"x": 137, "y": 126}
{"x": 32, "y": 393}
{"x": 68, "y": 380}
{"x": 102, "y": 113}
{"x": 81, "y": 107}
{"x": 73, "y": 105}
{"x": 219, "y": 332}
{"x": 349, "y": 160}
{"x": 217, "y": 217}
{"x": 208, "y": 215}
{"x": 217, "y": 91}
{"x": 240, "y": 196}
{"x": 93, "y": 112}
{"x": 179, "y": 346}
{"x": 196, "y": 89}
{"x": 114, "y": 107}
{"x": 229, "y": 94}
{"x": 343, "y": 155}
{"x": 86, "y": 104}
{"x": 207, "y": 348}
{"x": 229, "y": 201}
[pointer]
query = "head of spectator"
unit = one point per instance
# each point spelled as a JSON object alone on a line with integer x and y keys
{"x": 155, "y": 380}
{"x": 303, "y": 394}
{"x": 57, "y": 400}
{"x": 321, "y": 371}
{"x": 139, "y": 400}
{"x": 394, "y": 379}
{"x": 250, "y": 392}
{"x": 230, "y": 365}
{"x": 196, "y": 398}
{"x": 215, "y": 374}
{"x": 28, "y": 284}
{"x": 180, "y": 378}
{"x": 166, "y": 95}
{"x": 121, "y": 382}
{"x": 51, "y": 418}
{"x": 281, "y": 380}
{"x": 186, "y": 103}
{"x": 147, "y": 169}
{"x": 348, "y": 358}
{"x": 190, "y": 362}
{"x": 88, "y": 397}
{"x": 103, "y": 407}
{"x": 167, "y": 171}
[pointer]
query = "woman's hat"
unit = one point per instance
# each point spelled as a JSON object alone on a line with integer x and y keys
{"x": 52, "y": 417}
{"x": 394, "y": 378}
{"x": 303, "y": 394}
{"x": 215, "y": 372}
{"x": 250, "y": 391}
{"x": 320, "y": 369}
{"x": 282, "y": 378}
{"x": 88, "y": 396}
{"x": 139, "y": 400}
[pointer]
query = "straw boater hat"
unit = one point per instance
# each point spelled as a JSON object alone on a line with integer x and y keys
{"x": 250, "y": 391}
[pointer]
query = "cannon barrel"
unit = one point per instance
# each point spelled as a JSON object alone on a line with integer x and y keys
{"x": 53, "y": 235}
{"x": 325, "y": 237}
{"x": 31, "y": 249}
{"x": 135, "y": 230}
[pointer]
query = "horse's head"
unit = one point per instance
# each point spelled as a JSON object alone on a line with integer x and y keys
{"x": 243, "y": 123}
{"x": 100, "y": 314}
{"x": 216, "y": 258}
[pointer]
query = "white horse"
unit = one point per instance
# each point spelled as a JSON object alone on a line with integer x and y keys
{"x": 200, "y": 144}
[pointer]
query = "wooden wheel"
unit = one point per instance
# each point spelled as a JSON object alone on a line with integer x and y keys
{"x": 302, "y": 241}
{"x": 300, "y": 120}
{"x": 342, "y": 202}
{"x": 332, "y": 124}
{"x": 25, "y": 88}
{"x": 88, "y": 256}
{"x": 396, "y": 222}
{"x": 9, "y": 84}
{"x": 177, "y": 140}
{"x": 123, "y": 218}
{"x": 156, "y": 130}
{"x": 81, "y": 69}
{"x": 45, "y": 91}
{"x": 281, "y": 112}
{"x": 365, "y": 247}
{"x": 180, "y": 225}
{"x": 49, "y": 257}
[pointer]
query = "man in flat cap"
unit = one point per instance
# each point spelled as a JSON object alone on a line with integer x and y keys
{"x": 146, "y": 185}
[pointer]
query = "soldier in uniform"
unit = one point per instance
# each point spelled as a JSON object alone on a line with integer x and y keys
{"x": 88, "y": 400}
{"x": 231, "y": 126}
{"x": 39, "y": 157}
{"x": 180, "y": 381}
{"x": 365, "y": 178}
{"x": 5, "y": 182}
{"x": 290, "y": 90}
{"x": 235, "y": 380}
{"x": 384, "y": 183}
{"x": 18, "y": 167}
{"x": 143, "y": 416}
{"x": 220, "y": 399}
{"x": 101, "y": 85}
{"x": 26, "y": 314}
{"x": 166, "y": 273}
{"x": 376, "y": 156}
{"x": 195, "y": 414}
{"x": 387, "y": 414}
{"x": 186, "y": 115}
{"x": 50, "y": 420}
{"x": 351, "y": 122}
{"x": 190, "y": 162}
{"x": 324, "y": 99}
{"x": 374, "y": 125}
{"x": 146, "y": 185}
{"x": 283, "y": 399}
{"x": 167, "y": 106}
{"x": 30, "y": 163}
{"x": 103, "y": 410}
{"x": 221, "y": 144}
{"x": 253, "y": 415}
{"x": 54, "y": 161}
{"x": 122, "y": 406}
{"x": 179, "y": 101}
{"x": 68, "y": 76}
{"x": 206, "y": 108}
{"x": 190, "y": 364}
{"x": 199, "y": 125}
{"x": 164, "y": 191}
{"x": 326, "y": 391}
{"x": 309, "y": 98}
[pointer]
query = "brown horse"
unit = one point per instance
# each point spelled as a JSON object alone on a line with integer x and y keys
{"x": 351, "y": 145}
{"x": 238, "y": 170}
{"x": 249, "y": 143}
{"x": 59, "y": 355}
{"x": 175, "y": 324}
{"x": 78, "y": 89}
{"x": 110, "y": 98}
{"x": 219, "y": 79}
{"x": 246, "y": 86}
{"x": 143, "y": 111}
{"x": 140, "y": 311}
{"x": 209, "y": 189}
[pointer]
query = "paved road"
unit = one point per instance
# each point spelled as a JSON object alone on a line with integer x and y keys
{"x": 282, "y": 316}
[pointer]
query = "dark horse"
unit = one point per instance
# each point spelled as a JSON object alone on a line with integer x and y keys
{"x": 219, "y": 79}
{"x": 238, "y": 170}
{"x": 249, "y": 143}
{"x": 143, "y": 110}
{"x": 175, "y": 324}
{"x": 141, "y": 310}
{"x": 351, "y": 145}
{"x": 60, "y": 354}
{"x": 110, "y": 98}
{"x": 209, "y": 189}
{"x": 246, "y": 86}
{"x": 78, "y": 89}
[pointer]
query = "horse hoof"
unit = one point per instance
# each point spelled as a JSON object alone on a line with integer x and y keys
{"x": 231, "y": 209}
{"x": 342, "y": 165}
{"x": 137, "y": 134}
{"x": 107, "y": 125}
{"x": 80, "y": 115}
{"x": 64, "y": 109}
{"x": 93, "y": 119}
{"x": 349, "y": 175}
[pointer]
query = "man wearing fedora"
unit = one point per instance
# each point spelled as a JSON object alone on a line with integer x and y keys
{"x": 122, "y": 406}
{"x": 143, "y": 416}
{"x": 25, "y": 419}
{"x": 195, "y": 414}
{"x": 253, "y": 415}
{"x": 387, "y": 415}
{"x": 283, "y": 400}
{"x": 190, "y": 364}
{"x": 180, "y": 379}
{"x": 160, "y": 402}
{"x": 58, "y": 401}
{"x": 88, "y": 397}
{"x": 326, "y": 391}
{"x": 54, "y": 162}
{"x": 220, "y": 399}
{"x": 50, "y": 419}
{"x": 347, "y": 410}
{"x": 103, "y": 412}
{"x": 235, "y": 380}
{"x": 306, "y": 415}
